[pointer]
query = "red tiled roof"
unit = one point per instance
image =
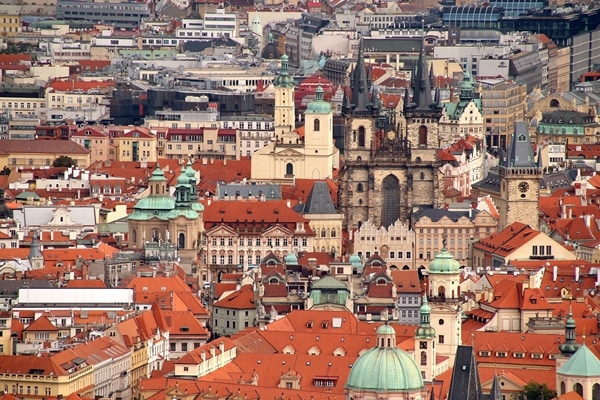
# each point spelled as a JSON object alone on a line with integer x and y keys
{"x": 71, "y": 84}
{"x": 242, "y": 299}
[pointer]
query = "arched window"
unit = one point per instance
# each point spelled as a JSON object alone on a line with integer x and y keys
{"x": 317, "y": 125}
{"x": 596, "y": 391}
{"x": 521, "y": 138}
{"x": 361, "y": 136}
{"x": 134, "y": 236}
{"x": 423, "y": 358}
{"x": 155, "y": 235}
{"x": 289, "y": 169}
{"x": 390, "y": 205}
{"x": 333, "y": 234}
{"x": 422, "y": 135}
{"x": 156, "y": 190}
{"x": 323, "y": 233}
{"x": 422, "y": 176}
{"x": 563, "y": 388}
{"x": 554, "y": 103}
{"x": 578, "y": 387}
{"x": 359, "y": 188}
{"x": 181, "y": 241}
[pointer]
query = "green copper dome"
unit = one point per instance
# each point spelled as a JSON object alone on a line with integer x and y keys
{"x": 183, "y": 179}
{"x": 153, "y": 207}
{"x": 355, "y": 261}
{"x": 189, "y": 171}
{"x": 385, "y": 329}
{"x": 582, "y": 363}
{"x": 444, "y": 263}
{"x": 157, "y": 175}
{"x": 319, "y": 106}
{"x": 291, "y": 259}
{"x": 385, "y": 369}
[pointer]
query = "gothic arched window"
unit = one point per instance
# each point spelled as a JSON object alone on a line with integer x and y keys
{"x": 361, "y": 136}
{"x": 422, "y": 135}
{"x": 317, "y": 125}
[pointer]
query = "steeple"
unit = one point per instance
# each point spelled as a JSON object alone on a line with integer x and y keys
{"x": 34, "y": 250}
{"x": 360, "y": 84}
{"x": 466, "y": 87}
{"x": 495, "y": 393}
{"x": 425, "y": 330}
{"x": 284, "y": 79}
{"x": 570, "y": 346}
{"x": 422, "y": 85}
{"x": 520, "y": 152}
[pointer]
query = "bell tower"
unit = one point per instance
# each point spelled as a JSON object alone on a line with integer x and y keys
{"x": 519, "y": 181}
{"x": 425, "y": 343}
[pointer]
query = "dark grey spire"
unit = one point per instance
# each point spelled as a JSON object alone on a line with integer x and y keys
{"x": 465, "y": 383}
{"x": 520, "y": 152}
{"x": 422, "y": 85}
{"x": 360, "y": 83}
{"x": 495, "y": 393}
{"x": 319, "y": 201}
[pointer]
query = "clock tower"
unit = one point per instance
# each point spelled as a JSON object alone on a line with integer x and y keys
{"x": 519, "y": 181}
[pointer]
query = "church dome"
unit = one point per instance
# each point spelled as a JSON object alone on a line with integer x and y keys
{"x": 356, "y": 262}
{"x": 319, "y": 106}
{"x": 385, "y": 369}
{"x": 183, "y": 179}
{"x": 444, "y": 263}
{"x": 291, "y": 259}
{"x": 385, "y": 329}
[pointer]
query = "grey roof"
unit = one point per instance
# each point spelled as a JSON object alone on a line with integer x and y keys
{"x": 465, "y": 383}
{"x": 558, "y": 180}
{"x": 270, "y": 191}
{"x": 520, "y": 152}
{"x": 565, "y": 117}
{"x": 42, "y": 215}
{"x": 495, "y": 392}
{"x": 490, "y": 183}
{"x": 392, "y": 45}
{"x": 435, "y": 214}
{"x": 10, "y": 288}
{"x": 319, "y": 201}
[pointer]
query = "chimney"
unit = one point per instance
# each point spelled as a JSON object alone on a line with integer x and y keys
{"x": 222, "y": 347}
{"x": 52, "y": 236}
{"x": 555, "y": 273}
{"x": 213, "y": 351}
{"x": 588, "y": 220}
{"x": 203, "y": 355}
{"x": 577, "y": 274}
{"x": 289, "y": 204}
{"x": 312, "y": 265}
{"x": 224, "y": 161}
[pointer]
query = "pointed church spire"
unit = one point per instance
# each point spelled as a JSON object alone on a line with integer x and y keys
{"x": 422, "y": 84}
{"x": 425, "y": 330}
{"x": 360, "y": 83}
{"x": 495, "y": 393}
{"x": 570, "y": 346}
{"x": 520, "y": 151}
{"x": 34, "y": 250}
{"x": 540, "y": 161}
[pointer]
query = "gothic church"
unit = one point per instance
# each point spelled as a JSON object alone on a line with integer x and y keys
{"x": 390, "y": 162}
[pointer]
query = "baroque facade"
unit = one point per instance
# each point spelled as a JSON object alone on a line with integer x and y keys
{"x": 391, "y": 165}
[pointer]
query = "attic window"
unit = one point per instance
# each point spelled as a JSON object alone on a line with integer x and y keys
{"x": 324, "y": 324}
{"x": 184, "y": 329}
{"x": 309, "y": 324}
{"x": 501, "y": 354}
{"x": 485, "y": 353}
{"x": 518, "y": 355}
{"x": 533, "y": 301}
{"x": 537, "y": 356}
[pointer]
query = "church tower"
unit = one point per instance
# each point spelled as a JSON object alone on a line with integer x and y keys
{"x": 519, "y": 182}
{"x": 446, "y": 302}
{"x": 425, "y": 343}
{"x": 423, "y": 114}
{"x": 285, "y": 117}
{"x": 318, "y": 136}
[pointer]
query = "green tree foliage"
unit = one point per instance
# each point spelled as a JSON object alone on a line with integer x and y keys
{"x": 535, "y": 391}
{"x": 64, "y": 161}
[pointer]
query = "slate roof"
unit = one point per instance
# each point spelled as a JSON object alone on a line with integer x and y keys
{"x": 435, "y": 214}
{"x": 319, "y": 201}
{"x": 465, "y": 384}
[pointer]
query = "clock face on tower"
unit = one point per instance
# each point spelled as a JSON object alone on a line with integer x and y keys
{"x": 523, "y": 187}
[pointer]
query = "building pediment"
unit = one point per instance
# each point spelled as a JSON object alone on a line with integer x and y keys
{"x": 221, "y": 230}
{"x": 276, "y": 231}
{"x": 288, "y": 152}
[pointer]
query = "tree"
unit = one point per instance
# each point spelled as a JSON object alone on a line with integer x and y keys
{"x": 535, "y": 391}
{"x": 64, "y": 161}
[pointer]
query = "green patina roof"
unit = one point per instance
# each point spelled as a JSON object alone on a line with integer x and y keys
{"x": 182, "y": 212}
{"x": 582, "y": 363}
{"x": 291, "y": 259}
{"x": 444, "y": 263}
{"x": 385, "y": 370}
{"x": 355, "y": 260}
{"x": 319, "y": 106}
{"x": 153, "y": 206}
{"x": 27, "y": 195}
{"x": 283, "y": 79}
{"x": 329, "y": 282}
{"x": 385, "y": 329}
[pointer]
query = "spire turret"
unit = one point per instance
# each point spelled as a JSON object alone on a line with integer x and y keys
{"x": 360, "y": 84}
{"x": 570, "y": 346}
{"x": 425, "y": 330}
{"x": 422, "y": 85}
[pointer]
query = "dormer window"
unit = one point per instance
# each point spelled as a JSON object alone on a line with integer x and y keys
{"x": 518, "y": 355}
{"x": 485, "y": 353}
